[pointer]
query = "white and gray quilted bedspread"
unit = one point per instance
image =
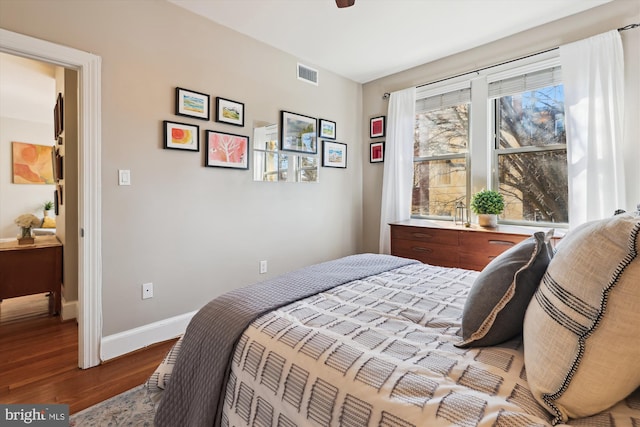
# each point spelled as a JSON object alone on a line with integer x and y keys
{"x": 380, "y": 351}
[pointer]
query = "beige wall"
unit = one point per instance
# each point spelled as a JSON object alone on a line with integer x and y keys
{"x": 196, "y": 232}
{"x": 598, "y": 20}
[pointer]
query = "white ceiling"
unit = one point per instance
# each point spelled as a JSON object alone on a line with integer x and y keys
{"x": 376, "y": 38}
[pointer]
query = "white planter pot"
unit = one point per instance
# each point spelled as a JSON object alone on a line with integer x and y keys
{"x": 488, "y": 220}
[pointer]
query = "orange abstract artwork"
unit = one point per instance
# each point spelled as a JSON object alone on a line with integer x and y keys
{"x": 32, "y": 164}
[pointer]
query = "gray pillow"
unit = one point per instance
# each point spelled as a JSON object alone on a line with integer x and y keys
{"x": 494, "y": 310}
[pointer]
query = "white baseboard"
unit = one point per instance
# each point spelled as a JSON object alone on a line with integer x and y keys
{"x": 69, "y": 310}
{"x": 134, "y": 339}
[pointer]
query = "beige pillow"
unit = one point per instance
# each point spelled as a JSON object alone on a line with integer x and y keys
{"x": 582, "y": 327}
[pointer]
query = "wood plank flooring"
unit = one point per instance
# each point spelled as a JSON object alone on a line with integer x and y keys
{"x": 38, "y": 364}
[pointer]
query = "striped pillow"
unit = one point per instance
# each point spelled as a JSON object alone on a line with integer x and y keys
{"x": 582, "y": 327}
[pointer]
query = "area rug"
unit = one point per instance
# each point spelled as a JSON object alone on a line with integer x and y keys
{"x": 134, "y": 407}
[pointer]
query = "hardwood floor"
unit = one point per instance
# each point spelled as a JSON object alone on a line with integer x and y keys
{"x": 38, "y": 364}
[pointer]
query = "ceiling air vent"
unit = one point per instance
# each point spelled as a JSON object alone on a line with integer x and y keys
{"x": 307, "y": 74}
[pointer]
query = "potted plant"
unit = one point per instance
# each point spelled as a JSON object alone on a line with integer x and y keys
{"x": 488, "y": 204}
{"x": 47, "y": 206}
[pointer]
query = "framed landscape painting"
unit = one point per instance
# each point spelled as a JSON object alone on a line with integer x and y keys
{"x": 334, "y": 154}
{"x": 298, "y": 133}
{"x": 327, "y": 129}
{"x": 230, "y": 112}
{"x": 190, "y": 103}
{"x": 227, "y": 150}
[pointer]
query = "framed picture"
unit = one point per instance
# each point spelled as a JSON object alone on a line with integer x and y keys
{"x": 32, "y": 163}
{"x": 327, "y": 129}
{"x": 228, "y": 111}
{"x": 334, "y": 154}
{"x": 56, "y": 159}
{"x": 298, "y": 133}
{"x": 376, "y": 152}
{"x": 58, "y": 116}
{"x": 192, "y": 104}
{"x": 376, "y": 127}
{"x": 227, "y": 150}
{"x": 181, "y": 136}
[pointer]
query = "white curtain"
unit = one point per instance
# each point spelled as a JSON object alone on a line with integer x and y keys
{"x": 593, "y": 75}
{"x": 398, "y": 164}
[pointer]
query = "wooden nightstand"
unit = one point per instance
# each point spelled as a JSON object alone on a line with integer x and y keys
{"x": 449, "y": 245}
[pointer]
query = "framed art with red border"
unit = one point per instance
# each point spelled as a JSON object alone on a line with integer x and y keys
{"x": 376, "y": 152}
{"x": 376, "y": 127}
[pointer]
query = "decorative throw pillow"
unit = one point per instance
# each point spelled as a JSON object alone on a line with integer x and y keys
{"x": 494, "y": 310}
{"x": 160, "y": 377}
{"x": 582, "y": 327}
{"x": 48, "y": 222}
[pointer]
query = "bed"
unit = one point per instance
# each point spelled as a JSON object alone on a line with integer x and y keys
{"x": 379, "y": 340}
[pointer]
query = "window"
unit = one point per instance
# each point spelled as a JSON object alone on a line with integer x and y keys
{"x": 531, "y": 154}
{"x": 440, "y": 154}
{"x": 510, "y": 137}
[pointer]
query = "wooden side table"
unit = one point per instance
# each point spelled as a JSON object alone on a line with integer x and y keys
{"x": 32, "y": 269}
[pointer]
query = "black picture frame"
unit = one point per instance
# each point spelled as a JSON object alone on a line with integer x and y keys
{"x": 334, "y": 154}
{"x": 226, "y": 150}
{"x": 298, "y": 133}
{"x": 326, "y": 129}
{"x": 229, "y": 112}
{"x": 377, "y": 127}
{"x": 376, "y": 152}
{"x": 58, "y": 116}
{"x": 188, "y": 140}
{"x": 190, "y": 103}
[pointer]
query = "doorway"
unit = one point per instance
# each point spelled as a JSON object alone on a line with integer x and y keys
{"x": 89, "y": 209}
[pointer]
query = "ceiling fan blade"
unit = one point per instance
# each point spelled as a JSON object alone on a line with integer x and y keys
{"x": 345, "y": 3}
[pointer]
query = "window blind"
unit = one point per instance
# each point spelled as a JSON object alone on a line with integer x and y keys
{"x": 448, "y": 99}
{"x": 526, "y": 82}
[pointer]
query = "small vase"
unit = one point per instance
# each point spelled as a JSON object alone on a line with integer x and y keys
{"x": 26, "y": 236}
{"x": 488, "y": 220}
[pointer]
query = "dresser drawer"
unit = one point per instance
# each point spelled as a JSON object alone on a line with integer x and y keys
{"x": 429, "y": 253}
{"x": 488, "y": 243}
{"x": 425, "y": 234}
{"x": 477, "y": 249}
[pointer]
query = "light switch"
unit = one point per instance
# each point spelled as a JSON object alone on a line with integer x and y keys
{"x": 124, "y": 177}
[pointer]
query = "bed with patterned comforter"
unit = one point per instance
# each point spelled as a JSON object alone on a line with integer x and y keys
{"x": 377, "y": 350}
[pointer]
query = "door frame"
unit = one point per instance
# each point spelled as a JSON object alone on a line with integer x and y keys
{"x": 89, "y": 233}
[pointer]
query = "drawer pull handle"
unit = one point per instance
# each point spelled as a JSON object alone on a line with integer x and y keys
{"x": 501, "y": 242}
{"x": 422, "y": 236}
{"x": 419, "y": 249}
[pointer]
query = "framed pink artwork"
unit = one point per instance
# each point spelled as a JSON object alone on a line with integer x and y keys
{"x": 227, "y": 150}
{"x": 376, "y": 152}
{"x": 376, "y": 127}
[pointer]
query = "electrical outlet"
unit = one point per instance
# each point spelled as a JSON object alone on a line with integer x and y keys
{"x": 263, "y": 267}
{"x": 147, "y": 290}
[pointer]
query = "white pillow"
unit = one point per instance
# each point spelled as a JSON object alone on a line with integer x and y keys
{"x": 582, "y": 327}
{"x": 161, "y": 376}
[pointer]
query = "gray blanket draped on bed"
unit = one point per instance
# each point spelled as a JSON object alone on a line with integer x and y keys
{"x": 195, "y": 393}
